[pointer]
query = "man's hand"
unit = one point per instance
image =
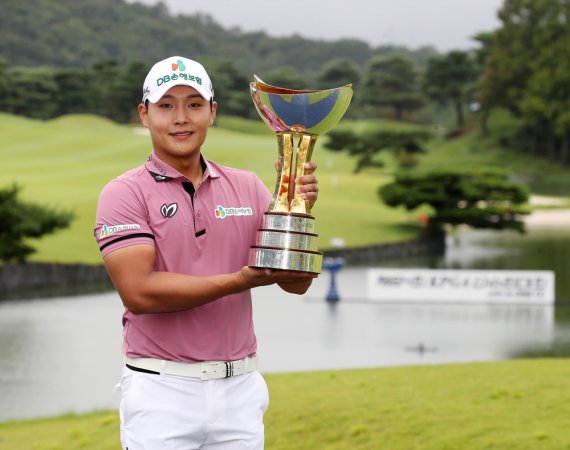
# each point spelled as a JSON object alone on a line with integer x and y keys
{"x": 307, "y": 185}
{"x": 290, "y": 281}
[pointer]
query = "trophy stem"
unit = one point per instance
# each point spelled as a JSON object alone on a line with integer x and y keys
{"x": 285, "y": 197}
{"x": 280, "y": 201}
{"x": 304, "y": 152}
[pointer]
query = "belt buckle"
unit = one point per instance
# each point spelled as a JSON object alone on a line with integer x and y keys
{"x": 229, "y": 369}
{"x": 216, "y": 370}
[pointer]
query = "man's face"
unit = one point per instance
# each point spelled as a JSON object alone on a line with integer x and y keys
{"x": 178, "y": 124}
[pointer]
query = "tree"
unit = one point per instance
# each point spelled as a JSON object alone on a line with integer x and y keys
{"x": 338, "y": 72}
{"x": 125, "y": 91}
{"x": 478, "y": 198}
{"x": 32, "y": 92}
{"x": 20, "y": 221}
{"x": 512, "y": 52}
{"x": 403, "y": 144}
{"x": 449, "y": 78}
{"x": 528, "y": 73}
{"x": 106, "y": 73}
{"x": 3, "y": 80}
{"x": 481, "y": 56}
{"x": 74, "y": 91}
{"x": 391, "y": 81}
{"x": 231, "y": 90}
{"x": 286, "y": 77}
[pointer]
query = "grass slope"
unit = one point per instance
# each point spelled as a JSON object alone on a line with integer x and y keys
{"x": 496, "y": 149}
{"x": 512, "y": 405}
{"x": 65, "y": 162}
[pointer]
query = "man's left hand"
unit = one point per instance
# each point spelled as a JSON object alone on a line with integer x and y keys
{"x": 307, "y": 185}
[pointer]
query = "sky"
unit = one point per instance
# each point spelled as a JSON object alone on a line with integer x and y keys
{"x": 443, "y": 24}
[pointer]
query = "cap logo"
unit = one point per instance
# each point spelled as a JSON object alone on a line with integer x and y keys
{"x": 179, "y": 64}
{"x": 168, "y": 78}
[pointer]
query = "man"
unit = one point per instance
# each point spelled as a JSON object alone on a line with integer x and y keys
{"x": 175, "y": 236}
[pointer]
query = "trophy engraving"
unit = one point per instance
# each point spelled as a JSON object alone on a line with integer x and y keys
{"x": 287, "y": 238}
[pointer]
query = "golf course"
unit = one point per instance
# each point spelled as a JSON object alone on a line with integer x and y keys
{"x": 514, "y": 405}
{"x": 519, "y": 404}
{"x": 64, "y": 163}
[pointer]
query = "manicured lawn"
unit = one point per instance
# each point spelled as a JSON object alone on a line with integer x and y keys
{"x": 65, "y": 162}
{"x": 511, "y": 405}
{"x": 497, "y": 149}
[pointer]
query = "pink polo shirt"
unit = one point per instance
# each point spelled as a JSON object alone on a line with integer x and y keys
{"x": 204, "y": 234}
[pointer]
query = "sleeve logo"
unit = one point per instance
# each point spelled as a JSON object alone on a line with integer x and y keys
{"x": 107, "y": 230}
{"x": 168, "y": 211}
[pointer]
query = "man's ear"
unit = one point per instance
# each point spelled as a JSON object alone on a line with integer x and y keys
{"x": 213, "y": 112}
{"x": 143, "y": 114}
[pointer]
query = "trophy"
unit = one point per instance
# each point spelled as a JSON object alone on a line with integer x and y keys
{"x": 287, "y": 239}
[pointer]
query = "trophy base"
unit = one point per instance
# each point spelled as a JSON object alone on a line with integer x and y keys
{"x": 285, "y": 259}
{"x": 286, "y": 241}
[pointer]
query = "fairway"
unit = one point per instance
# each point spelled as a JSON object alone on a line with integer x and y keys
{"x": 65, "y": 162}
{"x": 508, "y": 405}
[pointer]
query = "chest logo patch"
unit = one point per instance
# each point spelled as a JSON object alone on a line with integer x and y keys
{"x": 168, "y": 211}
{"x": 222, "y": 212}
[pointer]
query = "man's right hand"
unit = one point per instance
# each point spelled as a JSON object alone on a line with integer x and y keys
{"x": 290, "y": 281}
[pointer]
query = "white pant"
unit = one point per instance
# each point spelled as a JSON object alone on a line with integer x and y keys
{"x": 160, "y": 412}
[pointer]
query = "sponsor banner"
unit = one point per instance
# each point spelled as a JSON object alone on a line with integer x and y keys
{"x": 461, "y": 286}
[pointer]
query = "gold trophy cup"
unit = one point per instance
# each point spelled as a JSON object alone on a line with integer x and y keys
{"x": 287, "y": 239}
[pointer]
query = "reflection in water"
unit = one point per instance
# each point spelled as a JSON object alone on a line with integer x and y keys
{"x": 63, "y": 355}
{"x": 332, "y": 333}
{"x": 58, "y": 355}
{"x": 421, "y": 348}
{"x": 539, "y": 249}
{"x": 299, "y": 335}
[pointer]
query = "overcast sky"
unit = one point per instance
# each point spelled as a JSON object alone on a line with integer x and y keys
{"x": 443, "y": 24}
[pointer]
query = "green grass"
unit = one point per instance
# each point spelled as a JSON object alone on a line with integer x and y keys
{"x": 497, "y": 150}
{"x": 511, "y": 405}
{"x": 65, "y": 162}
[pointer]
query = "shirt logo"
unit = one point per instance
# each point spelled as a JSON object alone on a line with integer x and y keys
{"x": 222, "y": 212}
{"x": 168, "y": 211}
{"x": 110, "y": 229}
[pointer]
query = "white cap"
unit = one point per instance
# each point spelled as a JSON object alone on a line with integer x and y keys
{"x": 175, "y": 71}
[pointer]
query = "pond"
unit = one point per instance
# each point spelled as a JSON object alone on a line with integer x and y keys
{"x": 545, "y": 248}
{"x": 63, "y": 354}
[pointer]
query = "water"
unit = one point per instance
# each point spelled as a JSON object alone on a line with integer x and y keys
{"x": 63, "y": 355}
{"x": 59, "y": 355}
{"x": 539, "y": 249}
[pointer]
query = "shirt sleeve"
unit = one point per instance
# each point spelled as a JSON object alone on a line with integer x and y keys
{"x": 121, "y": 218}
